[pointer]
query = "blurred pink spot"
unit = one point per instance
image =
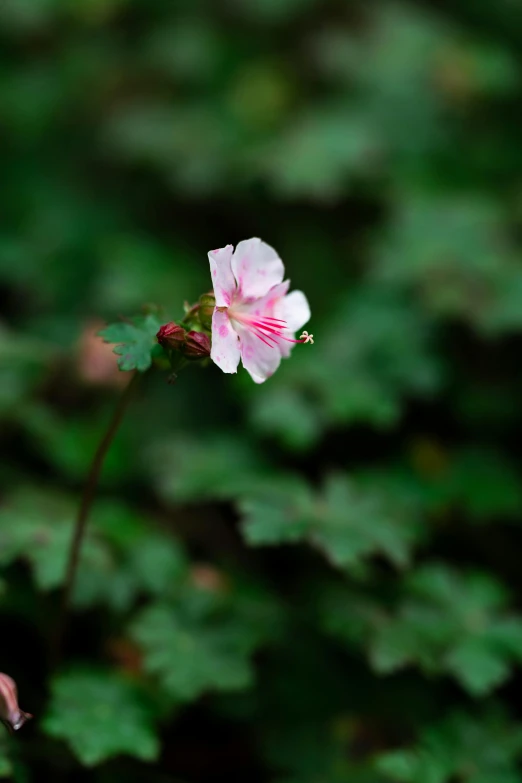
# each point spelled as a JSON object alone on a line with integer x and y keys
{"x": 206, "y": 577}
{"x": 96, "y": 363}
{"x": 223, "y": 331}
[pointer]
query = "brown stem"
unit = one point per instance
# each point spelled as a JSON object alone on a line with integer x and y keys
{"x": 84, "y": 509}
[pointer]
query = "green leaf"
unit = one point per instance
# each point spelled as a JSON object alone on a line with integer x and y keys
{"x": 217, "y": 467}
{"x": 481, "y": 483}
{"x": 146, "y": 561}
{"x": 463, "y": 748}
{"x": 281, "y": 513}
{"x": 203, "y": 641}
{"x": 23, "y": 360}
{"x": 189, "y": 658}
{"x": 346, "y": 521}
{"x": 71, "y": 443}
{"x": 37, "y": 525}
{"x": 469, "y": 270}
{"x": 6, "y": 766}
{"x": 158, "y": 564}
{"x": 100, "y": 715}
{"x": 479, "y": 668}
{"x": 284, "y": 412}
{"x": 123, "y": 556}
{"x": 376, "y": 349}
{"x": 353, "y": 523}
{"x": 450, "y": 622}
{"x": 135, "y": 341}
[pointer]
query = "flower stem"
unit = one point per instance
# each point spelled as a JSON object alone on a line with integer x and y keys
{"x": 84, "y": 510}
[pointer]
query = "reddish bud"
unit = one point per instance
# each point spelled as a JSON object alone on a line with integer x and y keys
{"x": 196, "y": 346}
{"x": 10, "y": 712}
{"x": 171, "y": 336}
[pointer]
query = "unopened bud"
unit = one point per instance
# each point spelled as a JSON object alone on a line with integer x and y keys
{"x": 207, "y": 303}
{"x": 196, "y": 345}
{"x": 171, "y": 336}
{"x": 10, "y": 712}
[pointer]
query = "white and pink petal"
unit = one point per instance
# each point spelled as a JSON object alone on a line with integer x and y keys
{"x": 260, "y": 358}
{"x": 225, "y": 351}
{"x": 256, "y": 267}
{"x": 294, "y": 310}
{"x": 223, "y": 279}
{"x": 267, "y": 305}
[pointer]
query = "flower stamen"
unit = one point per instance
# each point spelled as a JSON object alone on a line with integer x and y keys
{"x": 269, "y": 330}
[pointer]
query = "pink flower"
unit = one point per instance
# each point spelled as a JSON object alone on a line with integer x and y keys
{"x": 254, "y": 319}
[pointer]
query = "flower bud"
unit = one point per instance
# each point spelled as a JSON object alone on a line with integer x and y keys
{"x": 207, "y": 302}
{"x": 171, "y": 336}
{"x": 10, "y": 712}
{"x": 196, "y": 345}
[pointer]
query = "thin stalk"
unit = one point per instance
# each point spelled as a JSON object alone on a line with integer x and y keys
{"x": 84, "y": 510}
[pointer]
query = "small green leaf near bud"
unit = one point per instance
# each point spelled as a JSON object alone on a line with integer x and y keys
{"x": 135, "y": 340}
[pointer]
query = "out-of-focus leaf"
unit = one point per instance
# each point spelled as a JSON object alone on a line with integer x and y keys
{"x": 23, "y": 363}
{"x": 375, "y": 350}
{"x": 283, "y": 514}
{"x": 460, "y": 748}
{"x": 465, "y": 271}
{"x": 6, "y": 767}
{"x": 321, "y": 153}
{"x": 202, "y": 641}
{"x": 353, "y": 524}
{"x": 37, "y": 526}
{"x": 71, "y": 444}
{"x": 101, "y": 715}
{"x": 284, "y": 412}
{"x": 451, "y": 623}
{"x": 272, "y": 11}
{"x": 478, "y": 483}
{"x": 344, "y": 521}
{"x": 123, "y": 556}
{"x": 188, "y": 469}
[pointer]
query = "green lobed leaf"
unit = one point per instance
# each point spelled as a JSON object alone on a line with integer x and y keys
{"x": 202, "y": 641}
{"x": 281, "y": 513}
{"x": 37, "y": 525}
{"x": 346, "y": 521}
{"x": 135, "y": 341}
{"x": 100, "y": 715}
{"x": 451, "y": 622}
{"x": 376, "y": 349}
{"x": 123, "y": 556}
{"x": 218, "y": 467}
{"x": 464, "y": 748}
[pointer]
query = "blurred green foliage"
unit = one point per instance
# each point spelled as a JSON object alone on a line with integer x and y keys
{"x": 315, "y": 580}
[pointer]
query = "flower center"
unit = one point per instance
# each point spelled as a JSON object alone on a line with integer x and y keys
{"x": 267, "y": 329}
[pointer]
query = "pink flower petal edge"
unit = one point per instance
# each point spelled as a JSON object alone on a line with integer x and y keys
{"x": 255, "y": 319}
